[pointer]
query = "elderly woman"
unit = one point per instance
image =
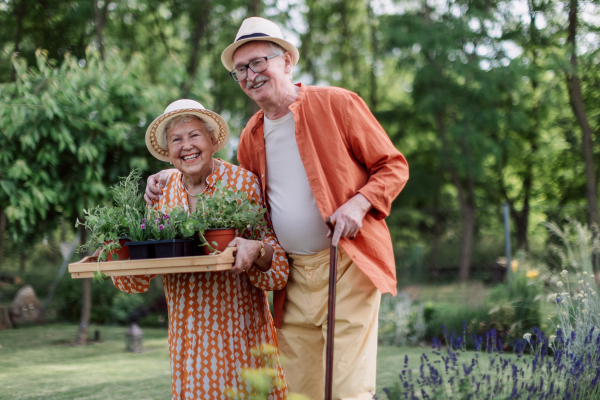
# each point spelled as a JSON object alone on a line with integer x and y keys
{"x": 215, "y": 318}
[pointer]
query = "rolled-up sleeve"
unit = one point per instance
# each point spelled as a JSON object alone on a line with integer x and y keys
{"x": 386, "y": 166}
{"x": 276, "y": 277}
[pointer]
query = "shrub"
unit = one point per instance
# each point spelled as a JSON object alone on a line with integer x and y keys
{"x": 516, "y": 305}
{"x": 452, "y": 317}
{"x": 399, "y": 322}
{"x": 260, "y": 382}
{"x": 123, "y": 305}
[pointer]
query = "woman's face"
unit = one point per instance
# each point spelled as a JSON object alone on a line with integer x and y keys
{"x": 190, "y": 148}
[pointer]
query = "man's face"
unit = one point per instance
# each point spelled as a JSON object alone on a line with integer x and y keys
{"x": 265, "y": 86}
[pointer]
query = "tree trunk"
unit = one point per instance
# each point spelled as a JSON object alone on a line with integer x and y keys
{"x": 467, "y": 206}
{"x": 86, "y": 303}
{"x": 521, "y": 218}
{"x": 200, "y": 16}
{"x": 100, "y": 16}
{"x": 467, "y": 213}
{"x": 576, "y": 100}
{"x": 2, "y": 230}
{"x": 374, "y": 53}
{"x": 254, "y": 8}
{"x": 20, "y": 15}
{"x": 22, "y": 260}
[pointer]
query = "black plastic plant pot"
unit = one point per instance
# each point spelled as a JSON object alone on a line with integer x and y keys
{"x": 141, "y": 250}
{"x": 173, "y": 248}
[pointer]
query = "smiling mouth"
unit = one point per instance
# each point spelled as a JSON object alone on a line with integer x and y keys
{"x": 190, "y": 157}
{"x": 258, "y": 85}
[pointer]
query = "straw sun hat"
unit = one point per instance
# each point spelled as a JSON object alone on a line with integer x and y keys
{"x": 156, "y": 137}
{"x": 261, "y": 29}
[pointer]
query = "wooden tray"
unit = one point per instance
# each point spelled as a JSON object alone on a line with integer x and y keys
{"x": 86, "y": 267}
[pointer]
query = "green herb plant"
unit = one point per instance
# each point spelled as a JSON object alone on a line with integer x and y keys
{"x": 173, "y": 224}
{"x": 227, "y": 208}
{"x": 106, "y": 224}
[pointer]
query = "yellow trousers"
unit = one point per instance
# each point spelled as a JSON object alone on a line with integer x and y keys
{"x": 303, "y": 335}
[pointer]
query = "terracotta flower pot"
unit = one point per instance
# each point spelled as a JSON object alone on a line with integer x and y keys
{"x": 123, "y": 252}
{"x": 221, "y": 236}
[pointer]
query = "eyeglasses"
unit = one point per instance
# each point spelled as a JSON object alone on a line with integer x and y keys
{"x": 257, "y": 65}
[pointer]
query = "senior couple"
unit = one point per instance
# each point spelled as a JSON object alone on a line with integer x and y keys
{"x": 308, "y": 153}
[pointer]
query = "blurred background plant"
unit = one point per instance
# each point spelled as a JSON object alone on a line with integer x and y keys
{"x": 263, "y": 380}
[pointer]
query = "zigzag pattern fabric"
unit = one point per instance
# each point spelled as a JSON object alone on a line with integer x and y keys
{"x": 215, "y": 318}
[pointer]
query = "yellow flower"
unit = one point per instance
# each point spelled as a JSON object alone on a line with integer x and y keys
{"x": 514, "y": 264}
{"x": 532, "y": 274}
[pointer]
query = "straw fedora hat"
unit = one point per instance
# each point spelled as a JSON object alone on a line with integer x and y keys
{"x": 261, "y": 29}
{"x": 156, "y": 137}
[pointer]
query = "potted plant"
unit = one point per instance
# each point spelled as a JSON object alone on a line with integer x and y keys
{"x": 174, "y": 232}
{"x": 141, "y": 246}
{"x": 224, "y": 214}
{"x": 132, "y": 206}
{"x": 104, "y": 227}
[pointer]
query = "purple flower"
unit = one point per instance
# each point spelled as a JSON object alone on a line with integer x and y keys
{"x": 156, "y": 221}
{"x": 144, "y": 221}
{"x": 161, "y": 227}
{"x": 166, "y": 216}
{"x": 143, "y": 226}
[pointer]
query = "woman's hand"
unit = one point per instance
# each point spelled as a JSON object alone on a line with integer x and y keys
{"x": 248, "y": 253}
{"x": 155, "y": 183}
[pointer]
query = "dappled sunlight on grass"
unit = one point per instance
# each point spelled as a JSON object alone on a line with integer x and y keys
{"x": 104, "y": 370}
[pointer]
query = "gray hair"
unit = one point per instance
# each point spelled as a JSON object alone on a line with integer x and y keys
{"x": 184, "y": 119}
{"x": 276, "y": 49}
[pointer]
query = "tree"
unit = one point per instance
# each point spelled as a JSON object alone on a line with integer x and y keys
{"x": 67, "y": 133}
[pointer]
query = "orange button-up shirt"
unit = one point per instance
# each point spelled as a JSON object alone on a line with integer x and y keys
{"x": 344, "y": 151}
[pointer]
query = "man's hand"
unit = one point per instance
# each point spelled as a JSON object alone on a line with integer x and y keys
{"x": 248, "y": 251}
{"x": 348, "y": 218}
{"x": 154, "y": 185}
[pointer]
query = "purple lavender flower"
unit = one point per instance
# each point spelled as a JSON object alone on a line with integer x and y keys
{"x": 143, "y": 226}
{"x": 161, "y": 227}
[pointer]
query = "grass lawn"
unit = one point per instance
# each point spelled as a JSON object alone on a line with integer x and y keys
{"x": 40, "y": 363}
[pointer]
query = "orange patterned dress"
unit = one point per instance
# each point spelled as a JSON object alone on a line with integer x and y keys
{"x": 215, "y": 318}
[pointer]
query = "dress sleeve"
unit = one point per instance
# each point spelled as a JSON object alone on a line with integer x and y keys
{"x": 276, "y": 277}
{"x": 133, "y": 284}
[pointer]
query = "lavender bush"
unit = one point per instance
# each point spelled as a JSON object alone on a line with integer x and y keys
{"x": 565, "y": 365}
{"x": 537, "y": 368}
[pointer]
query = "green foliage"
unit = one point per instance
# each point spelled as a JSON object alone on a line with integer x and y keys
{"x": 228, "y": 208}
{"x": 263, "y": 380}
{"x": 515, "y": 305}
{"x": 66, "y": 133}
{"x": 452, "y": 316}
{"x": 123, "y": 304}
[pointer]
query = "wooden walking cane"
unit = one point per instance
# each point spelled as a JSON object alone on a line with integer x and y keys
{"x": 330, "y": 315}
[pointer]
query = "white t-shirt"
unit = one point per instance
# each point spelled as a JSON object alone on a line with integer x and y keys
{"x": 296, "y": 219}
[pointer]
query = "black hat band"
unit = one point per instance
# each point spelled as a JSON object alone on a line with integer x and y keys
{"x": 251, "y": 36}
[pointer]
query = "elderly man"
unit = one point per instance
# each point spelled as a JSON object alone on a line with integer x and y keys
{"x": 318, "y": 152}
